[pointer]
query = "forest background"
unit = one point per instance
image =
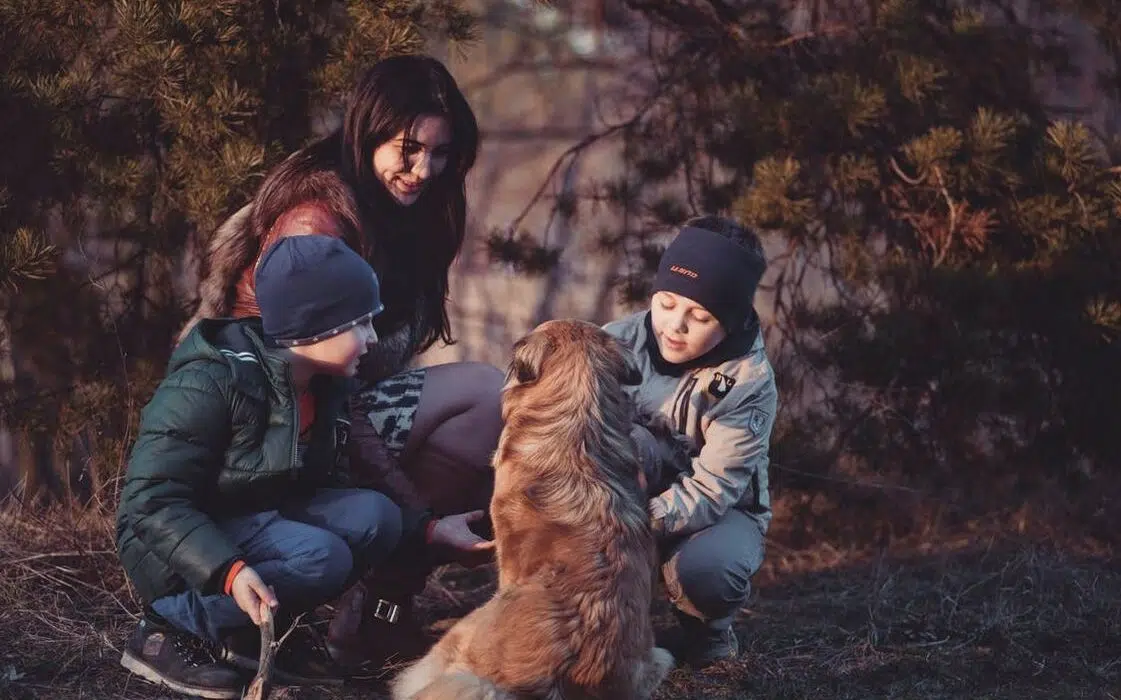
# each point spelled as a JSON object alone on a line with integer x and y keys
{"x": 938, "y": 185}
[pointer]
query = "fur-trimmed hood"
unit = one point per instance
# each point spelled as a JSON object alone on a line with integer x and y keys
{"x": 237, "y": 242}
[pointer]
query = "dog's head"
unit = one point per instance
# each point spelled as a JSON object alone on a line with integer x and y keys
{"x": 570, "y": 343}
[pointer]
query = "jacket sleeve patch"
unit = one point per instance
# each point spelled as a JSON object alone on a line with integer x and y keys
{"x": 757, "y": 421}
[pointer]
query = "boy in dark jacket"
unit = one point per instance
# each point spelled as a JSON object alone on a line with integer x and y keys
{"x": 236, "y": 493}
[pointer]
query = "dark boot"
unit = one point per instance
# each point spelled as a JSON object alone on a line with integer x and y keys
{"x": 180, "y": 661}
{"x": 369, "y": 631}
{"x": 344, "y": 634}
{"x": 701, "y": 644}
{"x": 365, "y": 627}
{"x": 374, "y": 626}
{"x": 302, "y": 658}
{"x": 394, "y": 642}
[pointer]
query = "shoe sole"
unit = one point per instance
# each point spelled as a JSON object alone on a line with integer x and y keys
{"x": 145, "y": 671}
{"x": 278, "y": 675}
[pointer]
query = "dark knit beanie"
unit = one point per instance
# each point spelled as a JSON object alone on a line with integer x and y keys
{"x": 713, "y": 271}
{"x": 313, "y": 287}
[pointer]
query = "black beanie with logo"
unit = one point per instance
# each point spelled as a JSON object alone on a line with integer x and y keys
{"x": 713, "y": 271}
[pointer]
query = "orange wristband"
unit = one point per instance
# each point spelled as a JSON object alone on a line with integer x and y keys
{"x": 235, "y": 569}
{"x": 428, "y": 530}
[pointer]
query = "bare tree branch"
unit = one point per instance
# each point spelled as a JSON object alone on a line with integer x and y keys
{"x": 262, "y": 683}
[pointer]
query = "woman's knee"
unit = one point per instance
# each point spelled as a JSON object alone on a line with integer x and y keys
{"x": 483, "y": 383}
{"x": 470, "y": 418}
{"x": 466, "y": 386}
{"x": 459, "y": 397}
{"x": 484, "y": 375}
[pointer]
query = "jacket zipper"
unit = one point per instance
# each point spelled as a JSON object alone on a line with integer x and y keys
{"x": 681, "y": 402}
{"x": 295, "y": 422}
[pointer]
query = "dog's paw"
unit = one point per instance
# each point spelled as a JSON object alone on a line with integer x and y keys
{"x": 679, "y": 446}
{"x": 661, "y": 659}
{"x": 653, "y": 671}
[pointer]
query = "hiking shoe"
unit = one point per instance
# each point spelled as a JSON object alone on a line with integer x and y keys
{"x": 180, "y": 661}
{"x": 695, "y": 643}
{"x": 301, "y": 660}
{"x": 712, "y": 647}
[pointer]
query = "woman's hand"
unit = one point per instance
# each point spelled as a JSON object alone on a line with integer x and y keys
{"x": 454, "y": 531}
{"x": 250, "y": 593}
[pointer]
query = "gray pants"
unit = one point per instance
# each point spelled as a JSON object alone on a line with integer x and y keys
{"x": 708, "y": 573}
{"x": 308, "y": 553}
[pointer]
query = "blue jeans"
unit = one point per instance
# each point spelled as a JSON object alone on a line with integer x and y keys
{"x": 308, "y": 553}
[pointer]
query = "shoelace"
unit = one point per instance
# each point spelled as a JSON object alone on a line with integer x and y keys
{"x": 305, "y": 639}
{"x": 194, "y": 650}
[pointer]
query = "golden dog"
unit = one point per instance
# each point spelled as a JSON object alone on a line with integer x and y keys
{"x": 571, "y": 616}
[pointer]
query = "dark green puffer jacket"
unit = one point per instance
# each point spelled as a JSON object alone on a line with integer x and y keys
{"x": 217, "y": 439}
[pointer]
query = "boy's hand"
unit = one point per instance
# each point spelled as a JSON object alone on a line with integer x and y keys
{"x": 454, "y": 531}
{"x": 250, "y": 593}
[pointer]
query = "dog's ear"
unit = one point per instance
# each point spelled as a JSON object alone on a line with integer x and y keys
{"x": 516, "y": 369}
{"x": 529, "y": 355}
{"x": 523, "y": 372}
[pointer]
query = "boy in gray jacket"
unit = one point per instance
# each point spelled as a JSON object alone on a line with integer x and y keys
{"x": 706, "y": 377}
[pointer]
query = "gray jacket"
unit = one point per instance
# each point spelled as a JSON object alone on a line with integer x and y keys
{"x": 727, "y": 411}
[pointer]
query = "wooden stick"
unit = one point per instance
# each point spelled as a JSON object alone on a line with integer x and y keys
{"x": 262, "y": 683}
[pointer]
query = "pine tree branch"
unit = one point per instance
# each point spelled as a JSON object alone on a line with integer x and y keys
{"x": 953, "y": 218}
{"x": 902, "y": 175}
{"x": 523, "y": 65}
{"x": 825, "y": 31}
{"x": 573, "y": 151}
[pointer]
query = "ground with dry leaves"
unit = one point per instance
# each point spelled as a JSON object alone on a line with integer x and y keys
{"x": 973, "y": 614}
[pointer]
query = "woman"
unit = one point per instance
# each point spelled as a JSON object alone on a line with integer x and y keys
{"x": 390, "y": 183}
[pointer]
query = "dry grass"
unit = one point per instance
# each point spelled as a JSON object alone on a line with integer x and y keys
{"x": 982, "y": 615}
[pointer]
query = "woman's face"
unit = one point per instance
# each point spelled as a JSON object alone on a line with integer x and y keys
{"x": 408, "y": 162}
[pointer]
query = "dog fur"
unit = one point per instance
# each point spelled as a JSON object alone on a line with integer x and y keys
{"x": 571, "y": 617}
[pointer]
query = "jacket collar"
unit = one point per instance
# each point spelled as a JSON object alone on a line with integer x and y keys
{"x": 256, "y": 368}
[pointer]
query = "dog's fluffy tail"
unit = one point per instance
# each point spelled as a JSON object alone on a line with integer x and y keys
{"x": 462, "y": 685}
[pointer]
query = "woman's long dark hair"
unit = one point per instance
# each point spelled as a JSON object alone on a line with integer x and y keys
{"x": 411, "y": 248}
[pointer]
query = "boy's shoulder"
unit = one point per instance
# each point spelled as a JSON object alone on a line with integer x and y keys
{"x": 193, "y": 399}
{"x": 213, "y": 376}
{"x": 748, "y": 359}
{"x": 748, "y": 376}
{"x": 629, "y": 328}
{"x": 227, "y": 352}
